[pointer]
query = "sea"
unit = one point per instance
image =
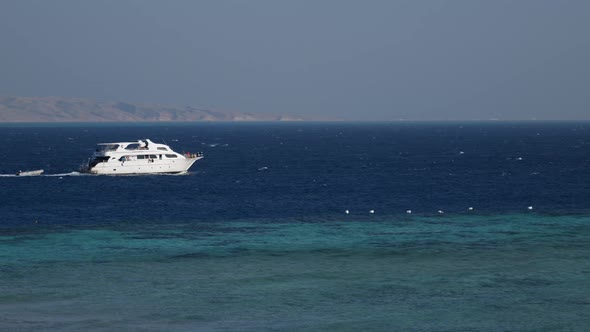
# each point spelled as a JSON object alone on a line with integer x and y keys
{"x": 342, "y": 226}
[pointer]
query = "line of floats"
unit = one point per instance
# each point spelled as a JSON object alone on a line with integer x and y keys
{"x": 530, "y": 208}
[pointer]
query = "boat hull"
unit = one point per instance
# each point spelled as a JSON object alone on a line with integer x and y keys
{"x": 115, "y": 167}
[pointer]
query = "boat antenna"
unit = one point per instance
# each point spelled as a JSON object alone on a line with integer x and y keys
{"x": 164, "y": 141}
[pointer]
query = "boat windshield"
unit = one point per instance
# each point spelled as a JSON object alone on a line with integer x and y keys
{"x": 132, "y": 146}
{"x": 107, "y": 147}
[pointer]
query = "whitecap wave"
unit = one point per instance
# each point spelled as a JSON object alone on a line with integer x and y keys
{"x": 74, "y": 173}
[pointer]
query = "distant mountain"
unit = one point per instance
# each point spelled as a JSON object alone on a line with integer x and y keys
{"x": 58, "y": 109}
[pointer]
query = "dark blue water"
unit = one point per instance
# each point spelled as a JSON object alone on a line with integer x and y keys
{"x": 256, "y": 236}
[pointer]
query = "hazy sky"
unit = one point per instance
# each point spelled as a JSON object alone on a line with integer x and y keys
{"x": 375, "y": 60}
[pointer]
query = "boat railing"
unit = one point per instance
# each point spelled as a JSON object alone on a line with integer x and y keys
{"x": 193, "y": 155}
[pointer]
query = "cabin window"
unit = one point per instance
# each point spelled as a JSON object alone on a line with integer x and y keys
{"x": 132, "y": 146}
{"x": 140, "y": 157}
{"x": 171, "y": 156}
{"x": 107, "y": 147}
{"x": 153, "y": 156}
{"x": 163, "y": 149}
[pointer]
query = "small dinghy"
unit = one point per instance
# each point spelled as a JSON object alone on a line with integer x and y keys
{"x": 30, "y": 173}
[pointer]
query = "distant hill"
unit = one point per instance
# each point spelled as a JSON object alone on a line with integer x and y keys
{"x": 58, "y": 109}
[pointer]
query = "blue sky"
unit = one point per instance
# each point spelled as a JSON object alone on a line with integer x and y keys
{"x": 370, "y": 60}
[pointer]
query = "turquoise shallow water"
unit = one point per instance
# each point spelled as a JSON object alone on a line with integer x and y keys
{"x": 466, "y": 272}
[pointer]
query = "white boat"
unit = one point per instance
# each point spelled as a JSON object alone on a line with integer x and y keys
{"x": 141, "y": 157}
{"x": 30, "y": 173}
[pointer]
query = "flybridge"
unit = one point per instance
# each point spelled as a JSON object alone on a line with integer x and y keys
{"x": 145, "y": 144}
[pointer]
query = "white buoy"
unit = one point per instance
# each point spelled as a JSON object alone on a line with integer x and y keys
{"x": 470, "y": 208}
{"x": 408, "y": 211}
{"x": 372, "y": 211}
{"x": 346, "y": 211}
{"x": 440, "y": 212}
{"x": 530, "y": 208}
